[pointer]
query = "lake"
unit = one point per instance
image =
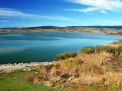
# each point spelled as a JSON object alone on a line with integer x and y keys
{"x": 45, "y": 46}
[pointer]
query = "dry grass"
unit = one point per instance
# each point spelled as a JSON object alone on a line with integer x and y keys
{"x": 96, "y": 69}
{"x": 96, "y": 58}
{"x": 114, "y": 44}
{"x": 84, "y": 69}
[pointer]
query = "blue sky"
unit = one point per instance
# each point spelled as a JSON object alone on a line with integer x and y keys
{"x": 23, "y": 13}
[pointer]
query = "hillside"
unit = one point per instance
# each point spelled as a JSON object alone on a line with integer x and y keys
{"x": 114, "y": 30}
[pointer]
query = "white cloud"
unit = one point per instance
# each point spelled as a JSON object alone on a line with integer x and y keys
{"x": 57, "y": 17}
{"x": 11, "y": 12}
{"x": 98, "y": 5}
{"x": 8, "y": 12}
{"x": 86, "y": 10}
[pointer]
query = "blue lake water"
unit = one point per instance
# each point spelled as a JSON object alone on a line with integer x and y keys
{"x": 39, "y": 47}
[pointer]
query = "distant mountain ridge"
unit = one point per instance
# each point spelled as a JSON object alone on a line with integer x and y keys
{"x": 113, "y": 30}
{"x": 58, "y": 27}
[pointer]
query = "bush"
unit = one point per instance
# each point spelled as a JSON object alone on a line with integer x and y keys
{"x": 87, "y": 50}
{"x": 106, "y": 49}
{"x": 119, "y": 59}
{"x": 98, "y": 49}
{"x": 66, "y": 55}
{"x": 120, "y": 49}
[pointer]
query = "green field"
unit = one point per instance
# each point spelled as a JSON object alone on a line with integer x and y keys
{"x": 18, "y": 81}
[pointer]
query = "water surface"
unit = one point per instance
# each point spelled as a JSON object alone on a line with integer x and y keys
{"x": 39, "y": 47}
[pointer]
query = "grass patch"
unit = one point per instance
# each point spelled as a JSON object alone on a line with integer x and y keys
{"x": 18, "y": 81}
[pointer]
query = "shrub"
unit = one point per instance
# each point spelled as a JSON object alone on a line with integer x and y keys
{"x": 106, "y": 49}
{"x": 120, "y": 49}
{"x": 66, "y": 55}
{"x": 119, "y": 59}
{"x": 87, "y": 50}
{"x": 98, "y": 49}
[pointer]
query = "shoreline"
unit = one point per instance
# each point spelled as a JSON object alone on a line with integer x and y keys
{"x": 114, "y": 44}
{"x": 7, "y": 68}
{"x": 112, "y": 34}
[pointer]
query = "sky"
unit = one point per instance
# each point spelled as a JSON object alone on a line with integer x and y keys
{"x": 28, "y": 13}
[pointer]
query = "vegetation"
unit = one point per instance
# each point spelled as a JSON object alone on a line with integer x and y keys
{"x": 87, "y": 50}
{"x": 93, "y": 69}
{"x": 98, "y": 68}
{"x": 120, "y": 60}
{"x": 67, "y": 55}
{"x": 117, "y": 33}
{"x": 98, "y": 49}
{"x": 18, "y": 81}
